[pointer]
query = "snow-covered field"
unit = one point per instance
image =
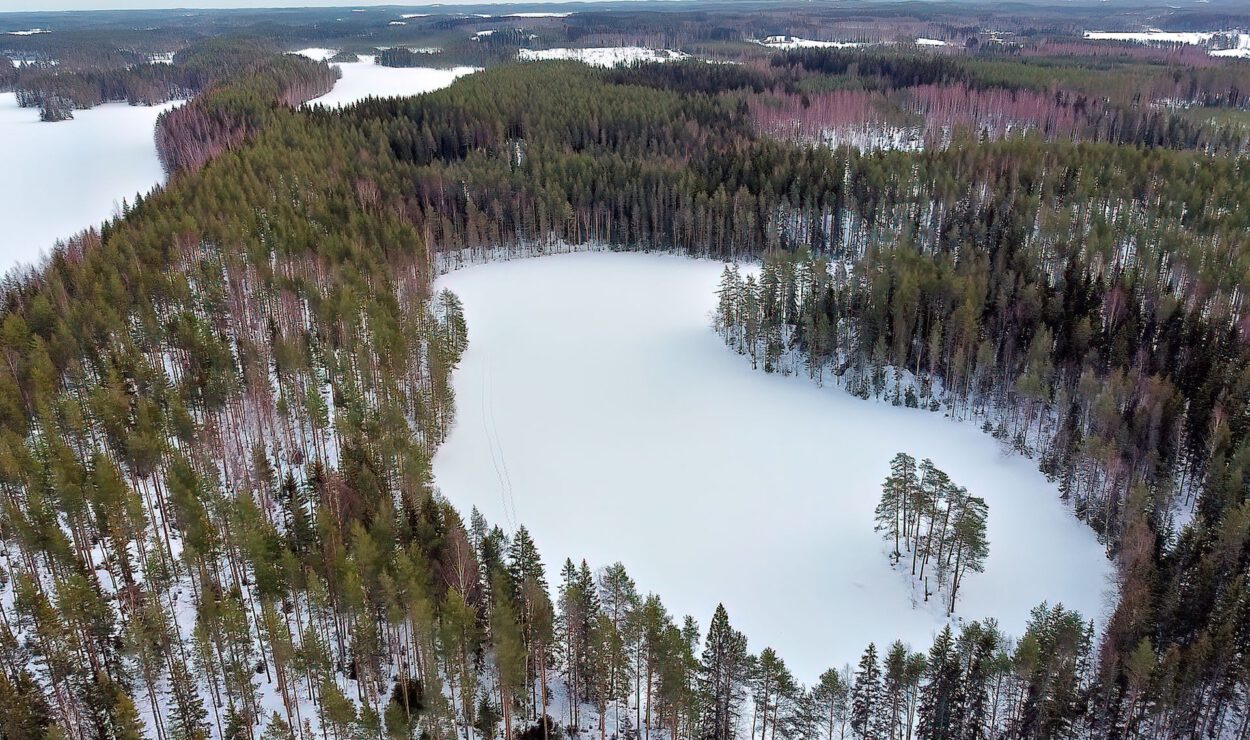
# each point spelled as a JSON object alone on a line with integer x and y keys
{"x": 607, "y": 56}
{"x": 1240, "y": 41}
{"x": 793, "y": 42}
{"x": 364, "y": 79}
{"x": 60, "y": 178}
{"x": 598, "y": 407}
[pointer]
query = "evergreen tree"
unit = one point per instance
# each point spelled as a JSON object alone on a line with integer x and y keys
{"x": 867, "y": 710}
{"x": 722, "y": 672}
{"x": 940, "y": 713}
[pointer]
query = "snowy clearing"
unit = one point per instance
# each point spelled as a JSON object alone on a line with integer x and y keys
{"x": 597, "y": 407}
{"x": 29, "y": 32}
{"x": 607, "y": 56}
{"x": 793, "y": 42}
{"x": 61, "y": 178}
{"x": 364, "y": 78}
{"x": 317, "y": 53}
{"x": 930, "y": 42}
{"x": 538, "y": 15}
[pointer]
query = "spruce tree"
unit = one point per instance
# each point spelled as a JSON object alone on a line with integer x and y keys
{"x": 866, "y": 704}
{"x": 939, "y": 711}
{"x": 722, "y": 671}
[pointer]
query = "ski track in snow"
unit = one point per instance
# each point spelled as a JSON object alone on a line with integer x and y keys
{"x": 636, "y": 435}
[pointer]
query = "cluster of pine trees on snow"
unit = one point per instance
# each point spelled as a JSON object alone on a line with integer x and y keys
{"x": 920, "y": 507}
{"x": 217, "y": 415}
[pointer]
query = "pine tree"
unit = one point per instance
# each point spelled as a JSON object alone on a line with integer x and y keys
{"x": 831, "y": 696}
{"x": 277, "y": 729}
{"x": 971, "y": 546}
{"x": 896, "y": 495}
{"x": 186, "y": 710}
{"x": 894, "y": 690}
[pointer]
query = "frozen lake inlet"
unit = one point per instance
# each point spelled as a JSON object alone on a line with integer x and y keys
{"x": 61, "y": 178}
{"x": 364, "y": 79}
{"x": 597, "y": 407}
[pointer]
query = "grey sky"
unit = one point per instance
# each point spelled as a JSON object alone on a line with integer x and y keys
{"x": 46, "y": 5}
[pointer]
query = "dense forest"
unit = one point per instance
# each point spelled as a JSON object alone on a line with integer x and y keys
{"x": 57, "y": 92}
{"x": 217, "y": 414}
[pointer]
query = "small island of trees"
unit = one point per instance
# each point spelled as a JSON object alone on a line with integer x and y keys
{"x": 938, "y": 523}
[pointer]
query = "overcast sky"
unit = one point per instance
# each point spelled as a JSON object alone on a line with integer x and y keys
{"x": 32, "y": 5}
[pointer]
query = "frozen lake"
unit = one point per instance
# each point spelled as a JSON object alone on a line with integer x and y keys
{"x": 364, "y": 78}
{"x": 598, "y": 407}
{"x": 60, "y": 178}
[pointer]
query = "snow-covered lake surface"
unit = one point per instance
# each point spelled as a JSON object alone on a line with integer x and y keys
{"x": 597, "y": 407}
{"x": 60, "y": 178}
{"x": 365, "y": 79}
{"x": 605, "y": 56}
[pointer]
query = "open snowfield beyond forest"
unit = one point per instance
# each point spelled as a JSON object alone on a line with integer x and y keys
{"x": 60, "y": 178}
{"x": 596, "y": 406}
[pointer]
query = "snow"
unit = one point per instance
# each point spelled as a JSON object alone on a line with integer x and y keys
{"x": 29, "y": 32}
{"x": 1241, "y": 40}
{"x": 538, "y": 15}
{"x": 407, "y": 16}
{"x": 1242, "y": 49}
{"x": 317, "y": 53}
{"x": 930, "y": 42}
{"x": 365, "y": 79}
{"x": 1155, "y": 37}
{"x": 23, "y": 61}
{"x": 597, "y": 407}
{"x": 608, "y": 56}
{"x": 60, "y": 178}
{"x": 793, "y": 42}
{"x": 479, "y": 34}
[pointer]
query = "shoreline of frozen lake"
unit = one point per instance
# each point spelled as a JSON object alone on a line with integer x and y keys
{"x": 596, "y": 406}
{"x": 64, "y": 177}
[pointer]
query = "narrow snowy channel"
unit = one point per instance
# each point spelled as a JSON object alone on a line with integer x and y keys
{"x": 597, "y": 407}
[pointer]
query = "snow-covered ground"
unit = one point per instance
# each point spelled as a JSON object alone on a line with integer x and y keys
{"x": 930, "y": 42}
{"x": 793, "y": 42}
{"x": 60, "y": 178}
{"x": 364, "y": 78}
{"x": 598, "y": 407}
{"x": 607, "y": 56}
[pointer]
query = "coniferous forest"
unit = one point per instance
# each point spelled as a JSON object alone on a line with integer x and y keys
{"x": 218, "y": 410}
